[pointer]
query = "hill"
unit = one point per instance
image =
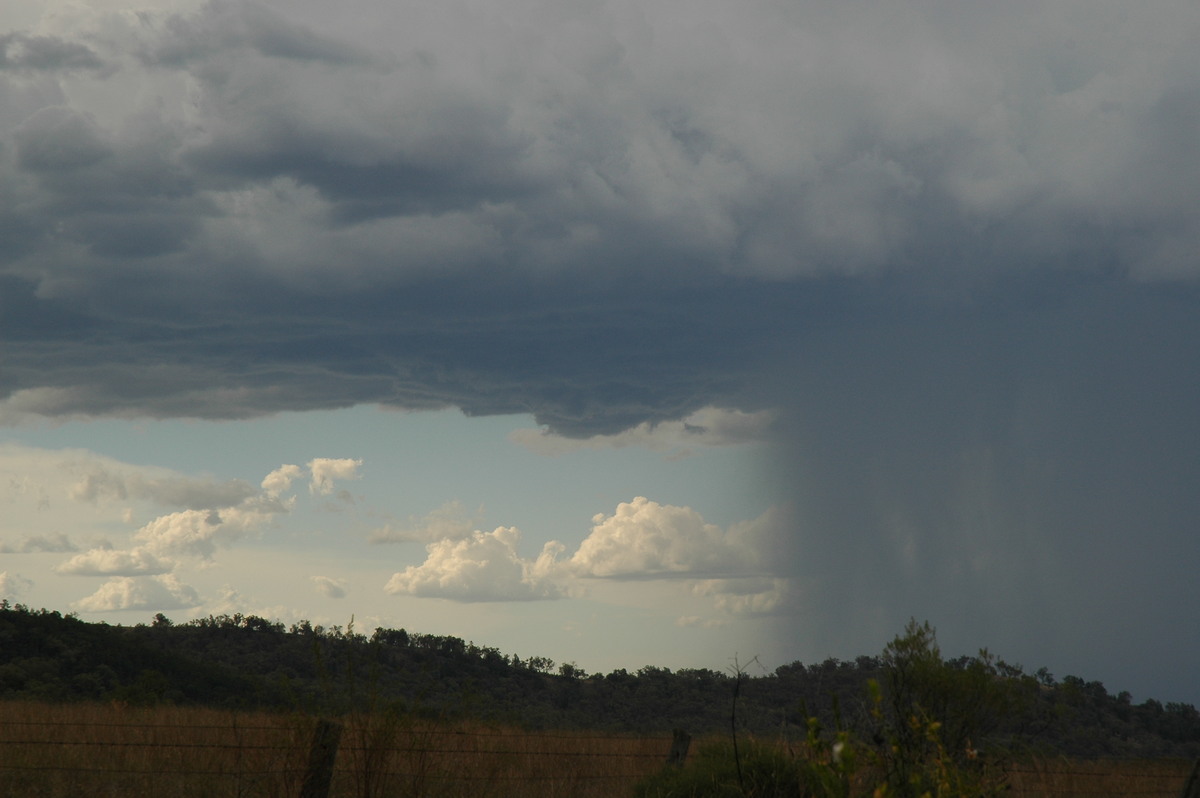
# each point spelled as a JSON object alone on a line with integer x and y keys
{"x": 249, "y": 662}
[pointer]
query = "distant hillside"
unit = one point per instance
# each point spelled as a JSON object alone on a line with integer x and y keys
{"x": 249, "y": 662}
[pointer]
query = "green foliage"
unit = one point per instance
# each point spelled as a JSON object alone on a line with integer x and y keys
{"x": 237, "y": 661}
{"x": 833, "y": 765}
{"x": 921, "y": 685}
{"x": 766, "y": 772}
{"x": 907, "y": 757}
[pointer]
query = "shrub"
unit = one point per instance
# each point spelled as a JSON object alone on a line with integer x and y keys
{"x": 908, "y": 756}
{"x": 766, "y": 772}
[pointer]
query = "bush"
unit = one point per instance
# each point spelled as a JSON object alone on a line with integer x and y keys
{"x": 908, "y": 756}
{"x": 765, "y": 772}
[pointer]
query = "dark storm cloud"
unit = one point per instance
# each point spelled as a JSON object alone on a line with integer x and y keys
{"x": 58, "y": 139}
{"x": 223, "y": 26}
{"x": 20, "y": 51}
{"x": 1023, "y": 477}
{"x": 590, "y": 215}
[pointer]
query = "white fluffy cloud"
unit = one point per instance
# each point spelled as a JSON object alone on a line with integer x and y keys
{"x": 280, "y": 480}
{"x": 325, "y": 470}
{"x": 163, "y": 592}
{"x": 110, "y": 562}
{"x": 149, "y": 570}
{"x": 645, "y": 539}
{"x": 484, "y": 567}
{"x": 330, "y": 587}
{"x": 198, "y": 533}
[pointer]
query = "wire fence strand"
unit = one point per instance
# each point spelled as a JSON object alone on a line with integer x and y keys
{"x": 266, "y": 755}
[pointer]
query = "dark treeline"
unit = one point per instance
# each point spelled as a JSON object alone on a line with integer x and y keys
{"x": 247, "y": 662}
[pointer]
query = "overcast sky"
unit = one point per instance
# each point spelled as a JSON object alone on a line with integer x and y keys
{"x": 618, "y": 332}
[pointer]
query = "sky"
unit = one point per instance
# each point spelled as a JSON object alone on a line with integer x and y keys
{"x": 622, "y": 333}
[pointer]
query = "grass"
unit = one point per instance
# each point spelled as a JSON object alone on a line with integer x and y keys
{"x": 112, "y": 749}
{"x": 83, "y": 750}
{"x": 771, "y": 770}
{"x": 1098, "y": 778}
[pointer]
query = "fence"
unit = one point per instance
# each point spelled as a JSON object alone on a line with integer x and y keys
{"x": 1098, "y": 778}
{"x": 114, "y": 750}
{"x": 86, "y": 750}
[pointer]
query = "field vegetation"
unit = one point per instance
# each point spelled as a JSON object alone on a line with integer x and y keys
{"x": 86, "y": 749}
{"x": 231, "y": 705}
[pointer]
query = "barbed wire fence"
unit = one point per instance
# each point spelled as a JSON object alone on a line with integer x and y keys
{"x": 319, "y": 758}
{"x": 316, "y": 758}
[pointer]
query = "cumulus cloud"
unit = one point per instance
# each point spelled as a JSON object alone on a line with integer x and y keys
{"x": 13, "y": 586}
{"x": 329, "y": 587}
{"x": 39, "y": 543}
{"x": 325, "y": 470}
{"x": 280, "y": 480}
{"x": 484, "y": 567}
{"x": 448, "y": 522}
{"x": 111, "y": 562}
{"x": 645, "y": 539}
{"x": 198, "y": 533}
{"x": 160, "y": 593}
{"x": 750, "y": 597}
{"x": 148, "y": 569}
{"x": 642, "y": 540}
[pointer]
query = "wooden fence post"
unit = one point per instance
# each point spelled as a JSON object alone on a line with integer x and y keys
{"x": 1191, "y": 788}
{"x": 679, "y": 748}
{"x": 321, "y": 756}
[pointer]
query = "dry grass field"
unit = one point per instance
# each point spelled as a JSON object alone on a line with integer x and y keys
{"x": 56, "y": 751}
{"x": 83, "y": 750}
{"x": 1099, "y": 778}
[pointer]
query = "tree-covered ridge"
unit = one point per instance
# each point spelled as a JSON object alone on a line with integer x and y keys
{"x": 248, "y": 662}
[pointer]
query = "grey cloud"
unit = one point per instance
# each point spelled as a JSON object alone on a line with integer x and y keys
{"x": 451, "y": 521}
{"x": 25, "y": 52}
{"x": 1013, "y": 475}
{"x": 57, "y": 139}
{"x": 13, "y": 586}
{"x": 39, "y": 543}
{"x": 221, "y": 26}
{"x": 120, "y": 195}
{"x": 102, "y": 483}
{"x": 886, "y": 144}
{"x": 329, "y": 587}
{"x": 706, "y": 427}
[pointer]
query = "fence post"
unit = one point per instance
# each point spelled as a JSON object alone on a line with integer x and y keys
{"x": 1191, "y": 788}
{"x": 679, "y": 748}
{"x": 321, "y": 756}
